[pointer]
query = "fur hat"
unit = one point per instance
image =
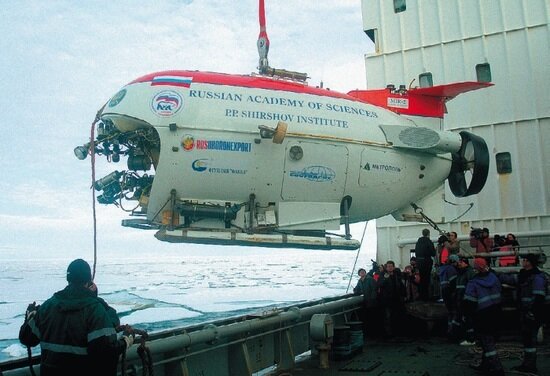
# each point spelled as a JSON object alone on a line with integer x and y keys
{"x": 79, "y": 272}
{"x": 532, "y": 258}
{"x": 480, "y": 264}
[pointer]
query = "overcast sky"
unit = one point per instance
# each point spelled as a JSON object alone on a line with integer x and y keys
{"x": 61, "y": 60}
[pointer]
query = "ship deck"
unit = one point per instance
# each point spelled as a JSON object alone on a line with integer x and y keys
{"x": 423, "y": 357}
{"x": 239, "y": 344}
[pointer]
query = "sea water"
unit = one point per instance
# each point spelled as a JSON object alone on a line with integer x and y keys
{"x": 161, "y": 288}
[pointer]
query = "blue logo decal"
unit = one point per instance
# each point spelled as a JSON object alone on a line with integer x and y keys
{"x": 200, "y": 165}
{"x": 315, "y": 173}
{"x": 117, "y": 98}
{"x": 166, "y": 103}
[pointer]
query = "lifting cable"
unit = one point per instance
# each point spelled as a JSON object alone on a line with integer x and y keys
{"x": 357, "y": 256}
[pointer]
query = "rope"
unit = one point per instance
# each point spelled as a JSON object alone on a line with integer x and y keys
{"x": 144, "y": 353}
{"x": 146, "y": 359}
{"x": 357, "y": 257}
{"x": 28, "y": 314}
{"x": 91, "y": 151}
{"x": 143, "y": 350}
{"x": 505, "y": 350}
{"x": 29, "y": 355}
{"x": 123, "y": 363}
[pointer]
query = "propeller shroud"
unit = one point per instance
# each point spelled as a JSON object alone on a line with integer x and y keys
{"x": 470, "y": 166}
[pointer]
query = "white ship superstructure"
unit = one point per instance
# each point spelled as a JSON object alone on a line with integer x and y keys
{"x": 504, "y": 42}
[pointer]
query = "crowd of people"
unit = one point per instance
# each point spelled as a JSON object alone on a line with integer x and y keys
{"x": 77, "y": 330}
{"x": 383, "y": 291}
{"x": 481, "y": 241}
{"x": 469, "y": 289}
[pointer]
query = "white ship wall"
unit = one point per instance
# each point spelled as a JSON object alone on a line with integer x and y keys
{"x": 449, "y": 38}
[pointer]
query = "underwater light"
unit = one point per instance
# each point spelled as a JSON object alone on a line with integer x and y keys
{"x": 81, "y": 152}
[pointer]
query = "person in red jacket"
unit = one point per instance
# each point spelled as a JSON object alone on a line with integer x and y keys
{"x": 481, "y": 241}
{"x": 510, "y": 244}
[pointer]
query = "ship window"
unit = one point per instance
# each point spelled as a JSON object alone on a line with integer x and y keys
{"x": 504, "y": 163}
{"x": 399, "y": 6}
{"x": 483, "y": 72}
{"x": 426, "y": 79}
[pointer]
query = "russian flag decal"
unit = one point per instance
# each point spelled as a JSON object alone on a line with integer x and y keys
{"x": 172, "y": 81}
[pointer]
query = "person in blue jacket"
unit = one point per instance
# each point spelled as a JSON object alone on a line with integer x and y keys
{"x": 482, "y": 301}
{"x": 532, "y": 288}
{"x": 464, "y": 322}
{"x": 75, "y": 329}
{"x": 447, "y": 281}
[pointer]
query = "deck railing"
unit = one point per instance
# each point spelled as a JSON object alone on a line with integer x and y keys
{"x": 243, "y": 345}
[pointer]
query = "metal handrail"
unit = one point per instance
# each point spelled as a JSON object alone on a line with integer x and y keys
{"x": 173, "y": 345}
{"x": 496, "y": 252}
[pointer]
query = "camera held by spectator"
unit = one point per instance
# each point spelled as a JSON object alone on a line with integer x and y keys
{"x": 476, "y": 233}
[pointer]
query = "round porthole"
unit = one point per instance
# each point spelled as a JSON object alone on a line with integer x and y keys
{"x": 296, "y": 153}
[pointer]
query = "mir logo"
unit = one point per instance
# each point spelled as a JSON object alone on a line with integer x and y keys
{"x": 200, "y": 165}
{"x": 166, "y": 103}
{"x": 314, "y": 173}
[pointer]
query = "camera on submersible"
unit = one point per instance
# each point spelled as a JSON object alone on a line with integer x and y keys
{"x": 118, "y": 184}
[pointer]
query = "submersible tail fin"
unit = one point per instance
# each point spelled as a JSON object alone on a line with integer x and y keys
{"x": 423, "y": 101}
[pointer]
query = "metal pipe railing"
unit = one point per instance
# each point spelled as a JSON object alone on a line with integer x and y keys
{"x": 212, "y": 333}
{"x": 525, "y": 234}
{"x": 180, "y": 344}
